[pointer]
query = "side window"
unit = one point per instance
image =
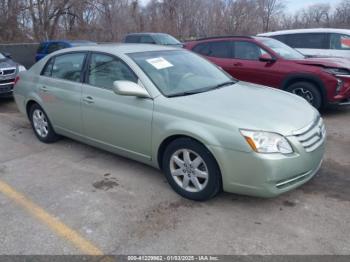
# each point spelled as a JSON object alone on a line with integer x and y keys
{"x": 52, "y": 48}
{"x": 132, "y": 39}
{"x": 146, "y": 39}
{"x": 203, "y": 49}
{"x": 48, "y": 68}
{"x": 311, "y": 40}
{"x": 105, "y": 69}
{"x": 41, "y": 48}
{"x": 61, "y": 46}
{"x": 340, "y": 42}
{"x": 247, "y": 50}
{"x": 221, "y": 49}
{"x": 282, "y": 38}
{"x": 68, "y": 66}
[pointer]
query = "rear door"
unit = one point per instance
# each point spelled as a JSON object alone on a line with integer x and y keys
{"x": 219, "y": 52}
{"x": 60, "y": 90}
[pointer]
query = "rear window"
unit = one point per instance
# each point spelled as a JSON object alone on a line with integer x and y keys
{"x": 309, "y": 40}
{"x": 132, "y": 39}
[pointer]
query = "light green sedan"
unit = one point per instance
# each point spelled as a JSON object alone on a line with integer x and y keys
{"x": 174, "y": 110}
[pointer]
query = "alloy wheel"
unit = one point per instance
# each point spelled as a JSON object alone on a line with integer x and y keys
{"x": 41, "y": 125}
{"x": 304, "y": 93}
{"x": 189, "y": 170}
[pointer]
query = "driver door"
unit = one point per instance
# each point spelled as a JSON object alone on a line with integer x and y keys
{"x": 248, "y": 67}
{"x": 120, "y": 123}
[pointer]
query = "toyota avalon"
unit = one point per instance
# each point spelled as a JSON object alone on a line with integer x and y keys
{"x": 176, "y": 111}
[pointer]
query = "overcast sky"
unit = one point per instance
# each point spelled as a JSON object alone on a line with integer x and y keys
{"x": 295, "y": 5}
{"x": 292, "y": 5}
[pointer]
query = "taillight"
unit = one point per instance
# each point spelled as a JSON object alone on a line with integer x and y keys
{"x": 16, "y": 80}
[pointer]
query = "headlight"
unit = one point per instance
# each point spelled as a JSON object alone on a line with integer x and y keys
{"x": 337, "y": 71}
{"x": 267, "y": 142}
{"x": 21, "y": 68}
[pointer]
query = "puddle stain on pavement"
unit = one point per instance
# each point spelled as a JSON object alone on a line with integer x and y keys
{"x": 107, "y": 183}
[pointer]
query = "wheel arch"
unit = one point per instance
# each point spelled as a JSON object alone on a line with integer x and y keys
{"x": 301, "y": 77}
{"x": 165, "y": 142}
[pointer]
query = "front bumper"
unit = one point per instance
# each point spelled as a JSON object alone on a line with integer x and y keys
{"x": 6, "y": 89}
{"x": 267, "y": 175}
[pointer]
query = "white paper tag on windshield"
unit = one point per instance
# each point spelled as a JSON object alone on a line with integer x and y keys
{"x": 159, "y": 63}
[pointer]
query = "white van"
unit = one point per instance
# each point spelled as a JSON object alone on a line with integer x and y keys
{"x": 317, "y": 41}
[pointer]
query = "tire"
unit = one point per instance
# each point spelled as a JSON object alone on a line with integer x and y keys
{"x": 41, "y": 125}
{"x": 181, "y": 171}
{"x": 308, "y": 91}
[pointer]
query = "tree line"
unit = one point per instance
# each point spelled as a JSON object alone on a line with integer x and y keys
{"x": 110, "y": 20}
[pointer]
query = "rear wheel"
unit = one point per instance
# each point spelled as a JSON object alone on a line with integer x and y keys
{"x": 308, "y": 91}
{"x": 191, "y": 170}
{"x": 41, "y": 125}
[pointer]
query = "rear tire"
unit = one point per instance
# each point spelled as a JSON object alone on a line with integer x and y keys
{"x": 308, "y": 91}
{"x": 41, "y": 125}
{"x": 191, "y": 169}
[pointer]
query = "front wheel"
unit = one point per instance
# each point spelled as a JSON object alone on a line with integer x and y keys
{"x": 308, "y": 91}
{"x": 191, "y": 170}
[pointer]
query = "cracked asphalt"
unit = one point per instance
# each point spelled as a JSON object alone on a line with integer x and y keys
{"x": 124, "y": 207}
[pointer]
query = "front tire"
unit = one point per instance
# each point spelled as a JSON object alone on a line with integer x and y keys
{"x": 308, "y": 91}
{"x": 41, "y": 125}
{"x": 191, "y": 169}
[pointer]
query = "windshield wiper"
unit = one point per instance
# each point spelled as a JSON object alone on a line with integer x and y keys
{"x": 187, "y": 93}
{"x": 202, "y": 90}
{"x": 228, "y": 83}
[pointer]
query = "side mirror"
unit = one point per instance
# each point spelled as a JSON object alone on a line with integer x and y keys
{"x": 267, "y": 58}
{"x": 128, "y": 88}
{"x": 8, "y": 55}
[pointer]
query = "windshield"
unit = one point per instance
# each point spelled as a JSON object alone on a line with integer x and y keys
{"x": 2, "y": 56}
{"x": 180, "y": 72}
{"x": 165, "y": 39}
{"x": 280, "y": 48}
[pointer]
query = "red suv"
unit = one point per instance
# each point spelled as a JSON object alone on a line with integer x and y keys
{"x": 267, "y": 61}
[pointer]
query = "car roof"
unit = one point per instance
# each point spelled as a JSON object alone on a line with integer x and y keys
{"x": 146, "y": 33}
{"x": 72, "y": 42}
{"x": 120, "y": 48}
{"x": 309, "y": 30}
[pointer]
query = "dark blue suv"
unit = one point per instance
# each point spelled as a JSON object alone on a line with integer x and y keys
{"x": 48, "y": 47}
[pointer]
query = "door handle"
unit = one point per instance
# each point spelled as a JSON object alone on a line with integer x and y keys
{"x": 237, "y": 64}
{"x": 88, "y": 100}
{"x": 44, "y": 89}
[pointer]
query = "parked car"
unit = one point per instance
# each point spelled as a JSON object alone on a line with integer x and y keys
{"x": 152, "y": 38}
{"x": 316, "y": 42}
{"x": 8, "y": 71}
{"x": 49, "y": 47}
{"x": 171, "y": 109}
{"x": 266, "y": 61}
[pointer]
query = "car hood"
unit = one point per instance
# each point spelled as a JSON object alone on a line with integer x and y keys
{"x": 325, "y": 62}
{"x": 5, "y": 63}
{"x": 245, "y": 105}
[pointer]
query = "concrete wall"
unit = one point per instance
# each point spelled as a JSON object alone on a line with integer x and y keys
{"x": 22, "y": 53}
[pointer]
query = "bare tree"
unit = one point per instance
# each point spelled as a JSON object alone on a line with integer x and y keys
{"x": 269, "y": 9}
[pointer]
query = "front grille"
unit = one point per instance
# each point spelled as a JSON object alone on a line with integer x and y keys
{"x": 7, "y": 71}
{"x": 7, "y": 81}
{"x": 312, "y": 136}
